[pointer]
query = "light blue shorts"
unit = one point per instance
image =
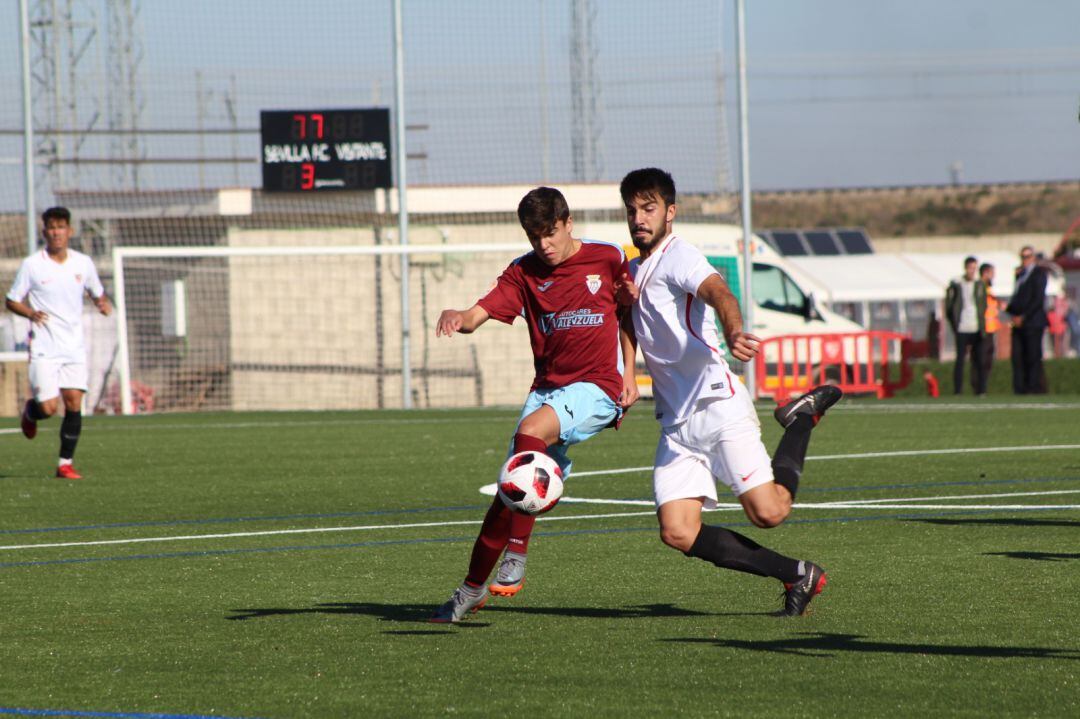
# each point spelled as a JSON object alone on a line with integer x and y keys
{"x": 583, "y": 410}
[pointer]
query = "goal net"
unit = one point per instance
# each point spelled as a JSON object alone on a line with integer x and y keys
{"x": 156, "y": 127}
{"x": 273, "y": 322}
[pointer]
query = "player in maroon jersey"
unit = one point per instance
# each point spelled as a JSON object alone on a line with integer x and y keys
{"x": 565, "y": 289}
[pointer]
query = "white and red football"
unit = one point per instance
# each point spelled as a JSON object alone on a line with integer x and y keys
{"x": 530, "y": 483}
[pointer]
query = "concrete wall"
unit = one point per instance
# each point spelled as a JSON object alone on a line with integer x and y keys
{"x": 325, "y": 332}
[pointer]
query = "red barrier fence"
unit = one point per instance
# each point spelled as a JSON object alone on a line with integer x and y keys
{"x": 856, "y": 362}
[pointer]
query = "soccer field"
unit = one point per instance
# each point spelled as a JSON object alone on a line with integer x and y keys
{"x": 285, "y": 565}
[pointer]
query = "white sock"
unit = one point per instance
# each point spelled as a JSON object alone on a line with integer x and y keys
{"x": 471, "y": 590}
{"x": 802, "y": 568}
{"x": 63, "y": 461}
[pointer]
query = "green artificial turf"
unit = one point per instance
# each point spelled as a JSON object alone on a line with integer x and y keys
{"x": 942, "y": 602}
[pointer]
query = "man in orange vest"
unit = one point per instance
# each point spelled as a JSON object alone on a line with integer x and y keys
{"x": 991, "y": 325}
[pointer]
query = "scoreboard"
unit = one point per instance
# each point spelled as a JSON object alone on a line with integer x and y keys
{"x": 316, "y": 150}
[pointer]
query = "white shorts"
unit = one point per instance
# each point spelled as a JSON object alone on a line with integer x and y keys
{"x": 49, "y": 376}
{"x": 721, "y": 440}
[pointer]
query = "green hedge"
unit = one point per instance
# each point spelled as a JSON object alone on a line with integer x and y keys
{"x": 1062, "y": 377}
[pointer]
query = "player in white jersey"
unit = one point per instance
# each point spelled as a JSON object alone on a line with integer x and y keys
{"x": 709, "y": 427}
{"x": 48, "y": 290}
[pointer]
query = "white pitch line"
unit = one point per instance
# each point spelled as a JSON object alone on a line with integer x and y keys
{"x": 862, "y": 408}
{"x": 963, "y": 450}
{"x": 853, "y": 504}
{"x": 861, "y": 455}
{"x": 599, "y": 472}
{"x": 132, "y": 425}
{"x": 891, "y": 407}
{"x": 420, "y": 525}
{"x": 939, "y": 506}
{"x": 887, "y": 502}
{"x": 627, "y": 502}
{"x": 313, "y": 530}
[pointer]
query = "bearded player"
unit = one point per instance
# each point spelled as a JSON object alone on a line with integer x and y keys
{"x": 709, "y": 427}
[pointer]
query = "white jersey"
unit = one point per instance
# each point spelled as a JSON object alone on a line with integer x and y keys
{"x": 57, "y": 289}
{"x": 677, "y": 331}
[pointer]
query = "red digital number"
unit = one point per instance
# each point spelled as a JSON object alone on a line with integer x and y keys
{"x": 300, "y": 125}
{"x": 307, "y": 176}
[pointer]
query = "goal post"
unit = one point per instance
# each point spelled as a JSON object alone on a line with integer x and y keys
{"x": 309, "y": 327}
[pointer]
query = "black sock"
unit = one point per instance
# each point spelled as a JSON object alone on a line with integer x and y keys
{"x": 70, "y": 429}
{"x": 731, "y": 550}
{"x": 787, "y": 462}
{"x": 36, "y": 412}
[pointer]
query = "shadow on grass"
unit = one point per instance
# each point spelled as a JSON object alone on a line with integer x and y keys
{"x": 1037, "y": 556}
{"x": 422, "y": 612}
{"x": 1017, "y": 522}
{"x": 822, "y": 644}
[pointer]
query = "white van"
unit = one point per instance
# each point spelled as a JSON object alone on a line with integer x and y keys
{"x": 784, "y": 298}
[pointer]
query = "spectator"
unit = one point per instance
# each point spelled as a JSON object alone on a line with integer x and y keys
{"x": 1073, "y": 321}
{"x": 965, "y": 308}
{"x": 991, "y": 324}
{"x": 1028, "y": 310}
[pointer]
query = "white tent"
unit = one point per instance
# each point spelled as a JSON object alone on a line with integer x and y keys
{"x": 942, "y": 267}
{"x": 862, "y": 278}
{"x": 896, "y": 277}
{"x": 893, "y": 291}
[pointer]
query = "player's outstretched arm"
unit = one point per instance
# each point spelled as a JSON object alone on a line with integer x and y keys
{"x": 743, "y": 345}
{"x": 451, "y": 321}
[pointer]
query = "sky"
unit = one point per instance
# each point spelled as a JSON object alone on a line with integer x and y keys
{"x": 842, "y": 93}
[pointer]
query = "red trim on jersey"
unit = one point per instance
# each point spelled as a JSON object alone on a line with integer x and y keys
{"x": 730, "y": 384}
{"x": 690, "y": 328}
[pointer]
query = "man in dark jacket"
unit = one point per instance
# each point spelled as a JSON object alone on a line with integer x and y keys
{"x": 1028, "y": 310}
{"x": 965, "y": 307}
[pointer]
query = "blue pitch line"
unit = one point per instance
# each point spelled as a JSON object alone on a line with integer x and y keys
{"x": 111, "y": 715}
{"x": 445, "y": 540}
{"x": 476, "y": 507}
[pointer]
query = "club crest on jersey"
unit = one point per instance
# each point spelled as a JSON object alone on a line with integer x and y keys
{"x": 593, "y": 283}
{"x": 78, "y": 278}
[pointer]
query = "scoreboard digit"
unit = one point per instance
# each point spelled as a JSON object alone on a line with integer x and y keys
{"x": 317, "y": 150}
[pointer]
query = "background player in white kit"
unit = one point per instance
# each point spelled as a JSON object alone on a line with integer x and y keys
{"x": 48, "y": 290}
{"x": 709, "y": 428}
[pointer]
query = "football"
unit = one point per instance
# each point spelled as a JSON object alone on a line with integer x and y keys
{"x": 530, "y": 483}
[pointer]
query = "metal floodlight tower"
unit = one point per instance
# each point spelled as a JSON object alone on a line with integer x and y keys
{"x": 61, "y": 34}
{"x": 125, "y": 101}
{"x": 584, "y": 94}
{"x": 67, "y": 86}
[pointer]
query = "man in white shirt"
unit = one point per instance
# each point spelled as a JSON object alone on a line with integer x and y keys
{"x": 48, "y": 290}
{"x": 965, "y": 307}
{"x": 709, "y": 427}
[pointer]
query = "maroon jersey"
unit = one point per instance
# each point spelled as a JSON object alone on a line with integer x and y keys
{"x": 570, "y": 310}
